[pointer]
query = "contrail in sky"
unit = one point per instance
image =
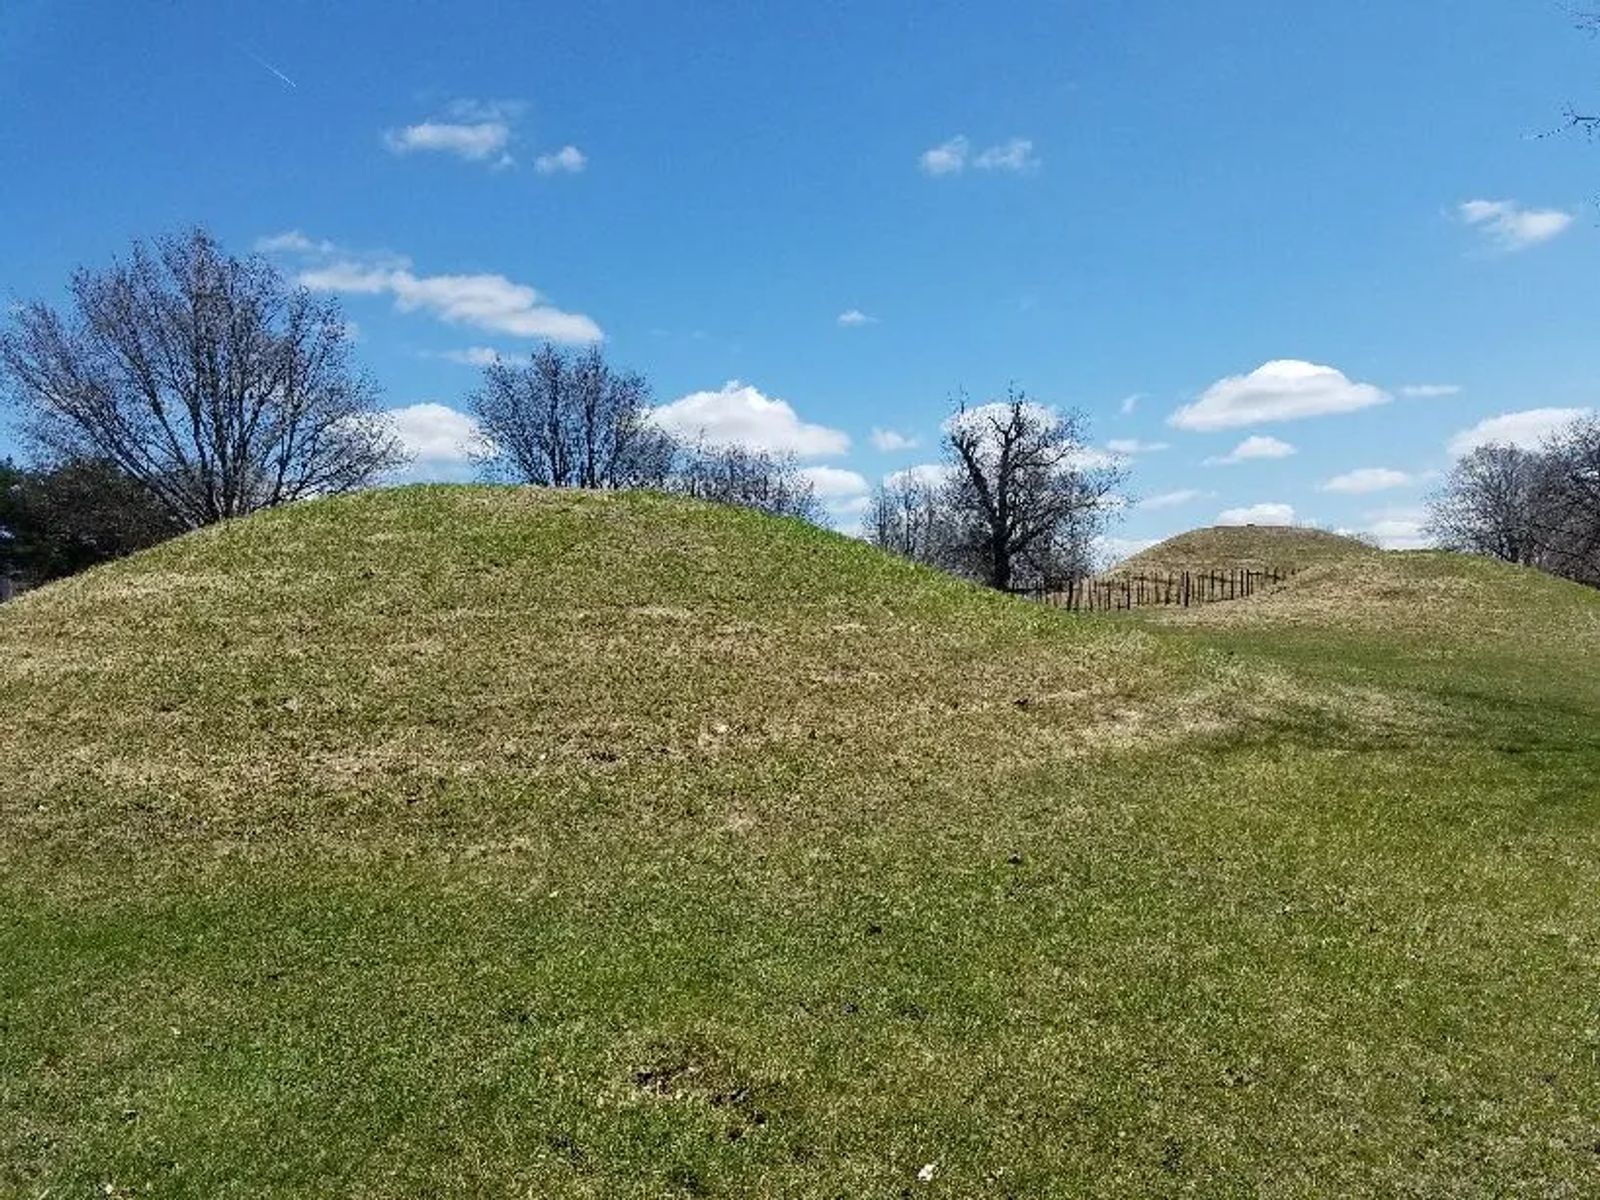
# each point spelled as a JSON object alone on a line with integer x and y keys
{"x": 263, "y": 63}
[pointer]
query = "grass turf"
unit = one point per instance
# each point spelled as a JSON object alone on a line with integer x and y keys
{"x": 1245, "y": 547}
{"x": 482, "y": 841}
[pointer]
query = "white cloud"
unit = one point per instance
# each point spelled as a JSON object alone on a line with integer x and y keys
{"x": 1257, "y": 514}
{"x": 1171, "y": 499}
{"x": 474, "y": 130}
{"x": 1510, "y": 226}
{"x": 1427, "y": 391}
{"x": 490, "y": 302}
{"x": 1091, "y": 458}
{"x": 291, "y": 241}
{"x": 954, "y": 156}
{"x": 1398, "y": 528}
{"x": 841, "y": 510}
{"x": 472, "y": 356}
{"x": 890, "y": 440}
{"x": 1129, "y": 403}
{"x": 1527, "y": 429}
{"x": 1286, "y": 389}
{"x": 474, "y": 142}
{"x": 1112, "y": 550}
{"x": 853, "y": 317}
{"x": 568, "y": 160}
{"x": 739, "y": 414}
{"x": 1363, "y": 480}
{"x": 948, "y": 158}
{"x": 1134, "y": 446}
{"x": 835, "y": 483}
{"x": 435, "y": 433}
{"x": 1013, "y": 155}
{"x": 1253, "y": 448}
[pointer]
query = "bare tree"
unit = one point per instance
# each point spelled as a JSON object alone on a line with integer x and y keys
{"x": 758, "y": 479}
{"x": 1584, "y": 121}
{"x": 1027, "y": 494}
{"x": 565, "y": 419}
{"x": 1489, "y": 503}
{"x": 907, "y": 516}
{"x": 1567, "y": 517}
{"x": 203, "y": 377}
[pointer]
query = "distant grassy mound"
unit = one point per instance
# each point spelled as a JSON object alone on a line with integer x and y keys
{"x": 477, "y": 841}
{"x": 1454, "y": 599}
{"x": 1246, "y": 547}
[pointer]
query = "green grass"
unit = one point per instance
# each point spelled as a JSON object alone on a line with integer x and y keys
{"x": 475, "y": 841}
{"x": 1248, "y": 547}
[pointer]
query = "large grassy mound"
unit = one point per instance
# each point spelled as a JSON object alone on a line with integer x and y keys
{"x": 1246, "y": 547}
{"x": 478, "y": 841}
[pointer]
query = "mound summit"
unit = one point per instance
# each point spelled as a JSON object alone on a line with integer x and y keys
{"x": 1246, "y": 547}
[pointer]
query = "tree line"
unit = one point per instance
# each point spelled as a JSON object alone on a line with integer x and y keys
{"x": 186, "y": 386}
{"x": 1538, "y": 507}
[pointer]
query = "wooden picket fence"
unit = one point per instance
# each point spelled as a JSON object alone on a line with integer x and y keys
{"x": 1109, "y": 593}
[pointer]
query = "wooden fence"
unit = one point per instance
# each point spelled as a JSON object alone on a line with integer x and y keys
{"x": 1107, "y": 593}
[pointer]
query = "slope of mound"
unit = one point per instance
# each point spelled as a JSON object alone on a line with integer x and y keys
{"x": 449, "y": 652}
{"x": 1246, "y": 547}
{"x": 1451, "y": 599}
{"x": 474, "y": 841}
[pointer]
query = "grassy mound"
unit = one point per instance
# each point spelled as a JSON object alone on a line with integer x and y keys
{"x": 437, "y": 661}
{"x": 1450, "y": 598}
{"x": 1247, "y": 547}
{"x": 485, "y": 841}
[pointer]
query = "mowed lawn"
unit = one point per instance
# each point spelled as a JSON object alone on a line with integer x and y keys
{"x": 471, "y": 841}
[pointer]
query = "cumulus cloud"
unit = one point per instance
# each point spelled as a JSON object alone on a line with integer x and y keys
{"x": 1129, "y": 403}
{"x": 472, "y": 356}
{"x": 1428, "y": 391}
{"x": 1015, "y": 154}
{"x": 1398, "y": 528}
{"x": 1171, "y": 499}
{"x": 485, "y": 301}
{"x": 1253, "y": 448}
{"x": 1134, "y": 446}
{"x": 891, "y": 439}
{"x": 1286, "y": 389}
{"x": 1257, "y": 514}
{"x": 568, "y": 160}
{"x": 1511, "y": 226}
{"x": 740, "y": 415}
{"x": 947, "y": 158}
{"x": 955, "y": 155}
{"x": 474, "y": 130}
{"x": 435, "y": 435}
{"x": 1527, "y": 429}
{"x": 835, "y": 483}
{"x": 291, "y": 241}
{"x": 853, "y": 317}
{"x": 475, "y": 142}
{"x": 1367, "y": 479}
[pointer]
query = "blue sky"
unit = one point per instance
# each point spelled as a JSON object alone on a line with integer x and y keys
{"x": 1191, "y": 204}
